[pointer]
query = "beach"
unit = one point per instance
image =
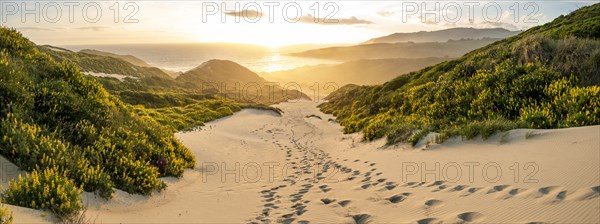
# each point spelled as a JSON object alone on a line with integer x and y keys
{"x": 299, "y": 167}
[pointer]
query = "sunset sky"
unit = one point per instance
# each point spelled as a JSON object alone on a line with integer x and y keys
{"x": 262, "y": 22}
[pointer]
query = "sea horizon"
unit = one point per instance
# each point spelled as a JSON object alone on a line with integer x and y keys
{"x": 182, "y": 57}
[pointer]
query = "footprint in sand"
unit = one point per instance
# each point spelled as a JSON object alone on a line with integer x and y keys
{"x": 470, "y": 217}
{"x": 436, "y": 183}
{"x": 497, "y": 188}
{"x": 365, "y": 186}
{"x": 409, "y": 184}
{"x": 344, "y": 203}
{"x": 439, "y": 188}
{"x": 287, "y": 218}
{"x": 325, "y": 188}
{"x": 561, "y": 196}
{"x": 458, "y": 188}
{"x": 327, "y": 201}
{"x": 428, "y": 221}
{"x": 513, "y": 192}
{"x": 419, "y": 184}
{"x": 398, "y": 198}
{"x": 543, "y": 191}
{"x": 470, "y": 191}
{"x": 433, "y": 203}
{"x": 587, "y": 194}
{"x": 361, "y": 218}
{"x": 300, "y": 210}
{"x": 389, "y": 186}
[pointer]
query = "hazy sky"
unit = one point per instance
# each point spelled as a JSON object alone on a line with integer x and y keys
{"x": 267, "y": 23}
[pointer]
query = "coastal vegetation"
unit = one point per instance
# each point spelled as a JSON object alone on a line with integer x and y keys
{"x": 72, "y": 134}
{"x": 545, "y": 77}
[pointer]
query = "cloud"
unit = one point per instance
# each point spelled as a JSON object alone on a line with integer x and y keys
{"x": 35, "y": 28}
{"x": 481, "y": 23}
{"x": 488, "y": 24}
{"x": 353, "y": 20}
{"x": 250, "y": 14}
{"x": 92, "y": 28}
{"x": 385, "y": 13}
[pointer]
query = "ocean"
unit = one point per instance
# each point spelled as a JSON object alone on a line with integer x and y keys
{"x": 183, "y": 57}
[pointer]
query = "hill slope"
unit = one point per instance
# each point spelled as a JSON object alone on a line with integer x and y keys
{"x": 101, "y": 62}
{"x": 444, "y": 35}
{"x": 397, "y": 50}
{"x": 128, "y": 58}
{"x": 220, "y": 71}
{"x": 545, "y": 77}
{"x": 363, "y": 72}
{"x": 54, "y": 119}
{"x": 236, "y": 82}
{"x": 153, "y": 87}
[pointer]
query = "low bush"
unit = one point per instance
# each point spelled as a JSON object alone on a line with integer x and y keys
{"x": 5, "y": 215}
{"x": 546, "y": 77}
{"x": 50, "y": 190}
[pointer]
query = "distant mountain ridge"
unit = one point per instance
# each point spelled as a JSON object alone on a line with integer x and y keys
{"x": 445, "y": 35}
{"x": 452, "y": 48}
{"x": 362, "y": 72}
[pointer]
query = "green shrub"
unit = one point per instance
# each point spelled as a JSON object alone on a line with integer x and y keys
{"x": 5, "y": 215}
{"x": 49, "y": 189}
{"x": 33, "y": 149}
{"x": 484, "y": 128}
{"x": 54, "y": 117}
{"x": 137, "y": 176}
{"x": 400, "y": 132}
{"x": 546, "y": 77}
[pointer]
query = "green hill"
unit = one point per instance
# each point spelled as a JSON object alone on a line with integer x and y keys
{"x": 236, "y": 82}
{"x": 54, "y": 117}
{"x": 545, "y": 77}
{"x": 154, "y": 88}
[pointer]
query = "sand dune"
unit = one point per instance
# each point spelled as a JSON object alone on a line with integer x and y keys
{"x": 256, "y": 166}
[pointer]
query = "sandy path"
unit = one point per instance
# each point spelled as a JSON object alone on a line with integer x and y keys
{"x": 258, "y": 167}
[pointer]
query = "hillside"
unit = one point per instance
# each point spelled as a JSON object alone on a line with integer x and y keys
{"x": 154, "y": 88}
{"x": 444, "y": 35}
{"x": 63, "y": 125}
{"x": 69, "y": 132}
{"x": 128, "y": 58}
{"x": 93, "y": 61}
{"x": 397, "y": 50}
{"x": 220, "y": 71}
{"x": 545, "y": 77}
{"x": 363, "y": 72}
{"x": 236, "y": 82}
